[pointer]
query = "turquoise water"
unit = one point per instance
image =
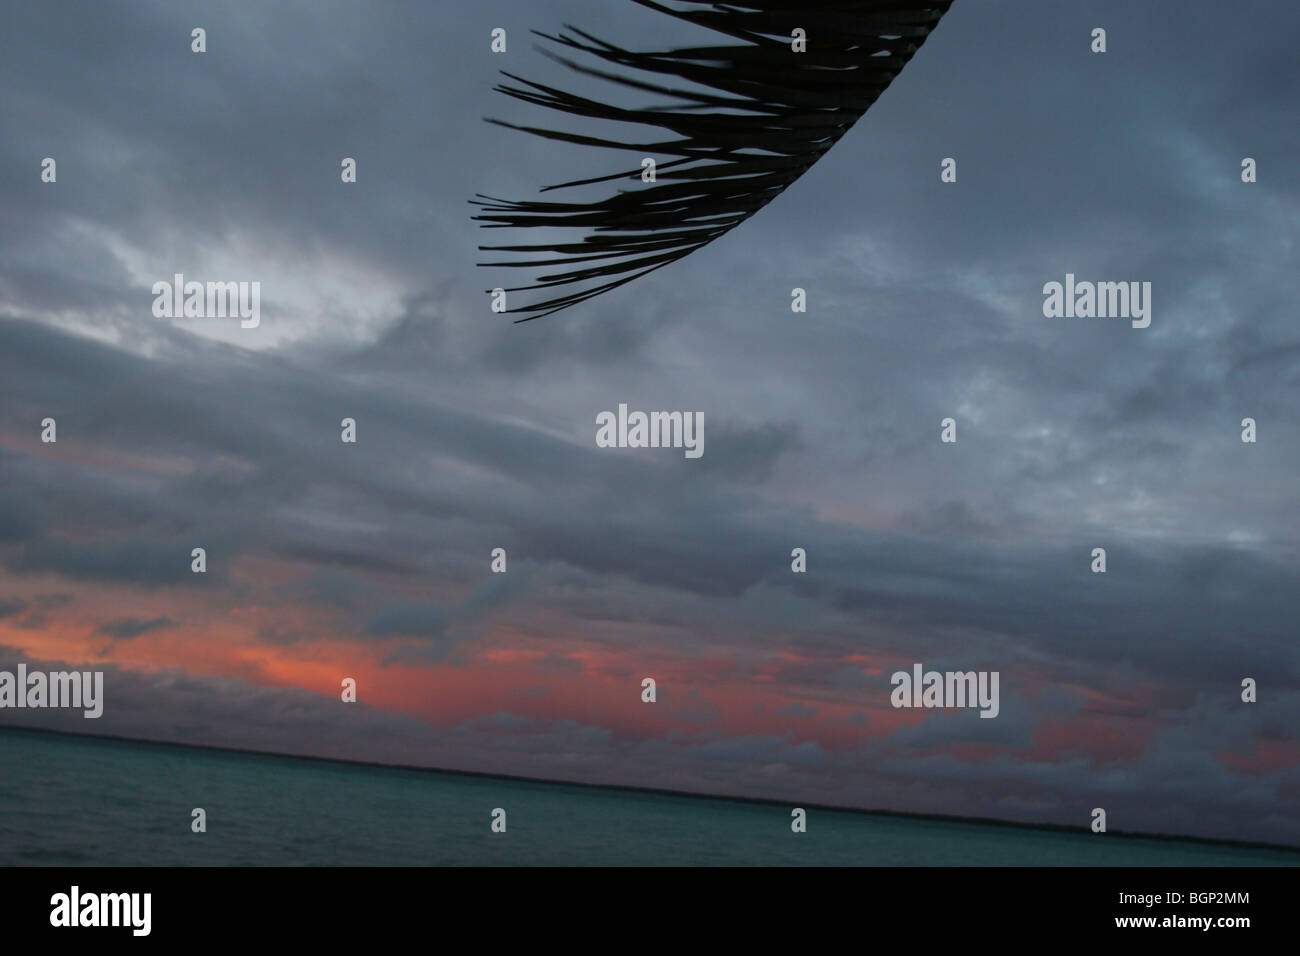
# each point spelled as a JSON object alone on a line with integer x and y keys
{"x": 81, "y": 801}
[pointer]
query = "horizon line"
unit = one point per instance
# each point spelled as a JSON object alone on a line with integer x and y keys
{"x": 667, "y": 791}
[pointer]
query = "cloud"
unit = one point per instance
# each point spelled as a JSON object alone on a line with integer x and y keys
{"x": 130, "y": 627}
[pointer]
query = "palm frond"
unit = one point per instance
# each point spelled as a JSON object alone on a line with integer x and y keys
{"x": 753, "y": 116}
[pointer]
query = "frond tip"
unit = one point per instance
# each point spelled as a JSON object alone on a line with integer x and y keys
{"x": 753, "y": 116}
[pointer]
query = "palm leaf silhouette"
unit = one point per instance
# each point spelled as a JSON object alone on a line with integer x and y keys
{"x": 753, "y": 118}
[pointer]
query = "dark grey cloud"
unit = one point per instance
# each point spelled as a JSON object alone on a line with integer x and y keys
{"x": 420, "y": 620}
{"x": 129, "y": 627}
{"x": 131, "y": 561}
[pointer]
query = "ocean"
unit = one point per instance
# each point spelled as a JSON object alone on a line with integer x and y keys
{"x": 69, "y": 801}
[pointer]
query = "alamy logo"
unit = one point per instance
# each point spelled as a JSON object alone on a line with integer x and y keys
{"x": 84, "y": 689}
{"x": 950, "y": 689}
{"x": 1102, "y": 300}
{"x": 179, "y": 299}
{"x": 103, "y": 909}
{"x": 653, "y": 430}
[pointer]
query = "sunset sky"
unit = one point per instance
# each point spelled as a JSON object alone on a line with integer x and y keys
{"x": 371, "y": 560}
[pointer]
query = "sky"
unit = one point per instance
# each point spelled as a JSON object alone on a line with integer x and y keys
{"x": 371, "y": 560}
